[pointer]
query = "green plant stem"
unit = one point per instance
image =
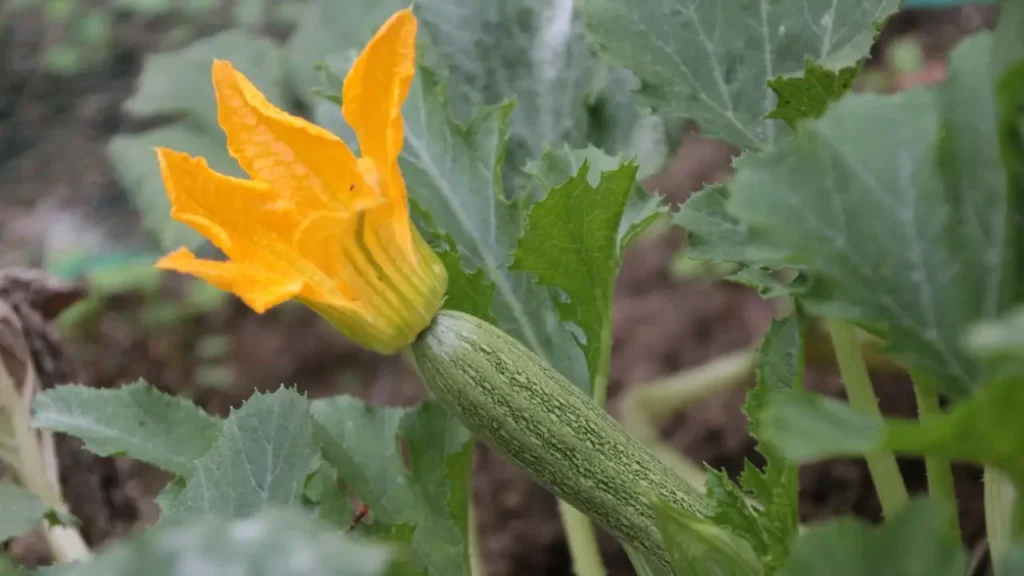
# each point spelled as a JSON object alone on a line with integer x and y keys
{"x": 644, "y": 408}
{"x": 939, "y": 470}
{"x": 1004, "y": 513}
{"x": 892, "y": 492}
{"x": 476, "y": 558}
{"x": 65, "y": 542}
{"x": 582, "y": 541}
{"x": 599, "y": 382}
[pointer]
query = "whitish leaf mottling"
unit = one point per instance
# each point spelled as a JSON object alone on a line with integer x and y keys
{"x": 711, "y": 60}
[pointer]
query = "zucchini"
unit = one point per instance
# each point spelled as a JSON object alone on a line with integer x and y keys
{"x": 528, "y": 412}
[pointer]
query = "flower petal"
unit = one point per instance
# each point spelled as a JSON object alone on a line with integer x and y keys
{"x": 232, "y": 213}
{"x": 298, "y": 159}
{"x": 260, "y": 289}
{"x": 377, "y": 85}
{"x": 375, "y": 89}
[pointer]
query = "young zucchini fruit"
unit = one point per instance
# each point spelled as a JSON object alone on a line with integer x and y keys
{"x": 527, "y": 411}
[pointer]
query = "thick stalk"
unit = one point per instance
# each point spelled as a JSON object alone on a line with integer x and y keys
{"x": 892, "y": 492}
{"x": 644, "y": 408}
{"x": 939, "y": 470}
{"x": 599, "y": 382}
{"x": 476, "y": 558}
{"x": 1004, "y": 513}
{"x": 582, "y": 541}
{"x": 65, "y": 543}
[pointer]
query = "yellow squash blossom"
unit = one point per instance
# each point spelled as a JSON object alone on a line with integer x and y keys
{"x": 314, "y": 223}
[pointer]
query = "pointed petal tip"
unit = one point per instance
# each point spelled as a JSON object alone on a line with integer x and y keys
{"x": 174, "y": 261}
{"x": 222, "y": 68}
{"x": 170, "y": 158}
{"x": 405, "y": 14}
{"x": 377, "y": 85}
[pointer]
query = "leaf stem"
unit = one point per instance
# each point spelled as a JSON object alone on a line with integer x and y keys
{"x": 644, "y": 408}
{"x": 1004, "y": 514}
{"x": 476, "y": 558}
{"x": 66, "y": 543}
{"x": 599, "y": 383}
{"x": 582, "y": 541}
{"x": 939, "y": 470}
{"x": 885, "y": 473}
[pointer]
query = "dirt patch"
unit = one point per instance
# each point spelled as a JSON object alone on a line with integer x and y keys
{"x": 53, "y": 170}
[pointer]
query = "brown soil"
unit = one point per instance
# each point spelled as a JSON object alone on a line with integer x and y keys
{"x": 53, "y": 171}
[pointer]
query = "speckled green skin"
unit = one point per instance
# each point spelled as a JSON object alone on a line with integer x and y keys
{"x": 531, "y": 414}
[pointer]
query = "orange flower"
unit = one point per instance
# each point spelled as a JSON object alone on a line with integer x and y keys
{"x": 315, "y": 223}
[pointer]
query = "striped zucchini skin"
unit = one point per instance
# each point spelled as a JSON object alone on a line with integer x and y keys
{"x": 527, "y": 411}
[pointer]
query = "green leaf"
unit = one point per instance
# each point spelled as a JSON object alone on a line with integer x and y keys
{"x": 250, "y": 13}
{"x": 917, "y": 541}
{"x": 360, "y": 441}
{"x": 136, "y": 420}
{"x": 1012, "y": 562}
{"x": 178, "y": 83}
{"x": 712, "y": 61}
{"x": 986, "y": 428}
{"x": 1008, "y": 73}
{"x": 975, "y": 175}
{"x": 983, "y": 429}
{"x": 807, "y": 427}
{"x": 730, "y": 510}
{"x": 453, "y": 173}
{"x": 263, "y": 456}
{"x": 532, "y": 51}
{"x": 780, "y": 368}
{"x": 273, "y": 543}
{"x": 8, "y": 568}
{"x": 572, "y": 244}
{"x": 697, "y": 546}
{"x": 770, "y": 526}
{"x": 559, "y": 165}
{"x": 888, "y": 226}
{"x": 715, "y": 235}
{"x": 809, "y": 95}
{"x": 999, "y": 342}
{"x": 20, "y": 511}
{"x": 468, "y": 292}
{"x": 619, "y": 127}
{"x": 332, "y": 27}
{"x": 425, "y": 506}
{"x": 441, "y": 455}
{"x": 712, "y": 233}
{"x": 577, "y": 234}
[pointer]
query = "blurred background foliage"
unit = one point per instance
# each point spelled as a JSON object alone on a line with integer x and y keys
{"x": 532, "y": 51}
